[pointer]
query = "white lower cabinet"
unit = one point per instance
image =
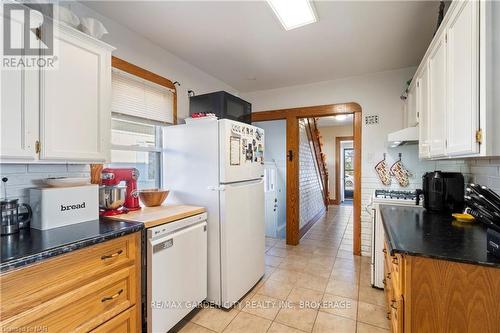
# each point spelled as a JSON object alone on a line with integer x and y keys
{"x": 61, "y": 114}
{"x": 75, "y": 101}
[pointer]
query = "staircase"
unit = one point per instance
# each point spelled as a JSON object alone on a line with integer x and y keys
{"x": 315, "y": 140}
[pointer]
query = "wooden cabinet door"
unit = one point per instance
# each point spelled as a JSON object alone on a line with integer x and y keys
{"x": 75, "y": 110}
{"x": 462, "y": 52}
{"x": 422, "y": 99}
{"x": 19, "y": 110}
{"x": 437, "y": 98}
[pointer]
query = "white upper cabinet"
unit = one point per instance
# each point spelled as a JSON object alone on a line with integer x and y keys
{"x": 75, "y": 100}
{"x": 60, "y": 114}
{"x": 19, "y": 111}
{"x": 411, "y": 107}
{"x": 437, "y": 98}
{"x": 462, "y": 79}
{"x": 456, "y": 93}
{"x": 422, "y": 101}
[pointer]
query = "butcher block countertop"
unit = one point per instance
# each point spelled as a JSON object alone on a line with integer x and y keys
{"x": 153, "y": 216}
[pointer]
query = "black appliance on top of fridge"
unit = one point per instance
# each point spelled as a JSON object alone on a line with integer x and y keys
{"x": 223, "y": 105}
{"x": 443, "y": 192}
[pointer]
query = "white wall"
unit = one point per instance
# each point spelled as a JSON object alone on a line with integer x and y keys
{"x": 328, "y": 135}
{"x": 378, "y": 94}
{"x": 139, "y": 51}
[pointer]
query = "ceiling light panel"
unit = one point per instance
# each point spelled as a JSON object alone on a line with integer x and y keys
{"x": 293, "y": 13}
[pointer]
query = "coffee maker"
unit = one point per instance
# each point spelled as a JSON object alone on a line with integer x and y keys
{"x": 442, "y": 191}
{"x": 114, "y": 198}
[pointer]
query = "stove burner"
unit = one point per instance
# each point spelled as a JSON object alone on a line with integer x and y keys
{"x": 393, "y": 194}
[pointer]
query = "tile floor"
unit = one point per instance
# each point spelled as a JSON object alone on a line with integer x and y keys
{"x": 317, "y": 286}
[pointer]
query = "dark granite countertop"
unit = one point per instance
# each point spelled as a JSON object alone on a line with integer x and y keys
{"x": 32, "y": 245}
{"x": 414, "y": 231}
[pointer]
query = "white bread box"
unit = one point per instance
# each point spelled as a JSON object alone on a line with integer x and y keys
{"x": 55, "y": 207}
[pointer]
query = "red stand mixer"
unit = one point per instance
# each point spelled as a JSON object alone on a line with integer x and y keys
{"x": 114, "y": 198}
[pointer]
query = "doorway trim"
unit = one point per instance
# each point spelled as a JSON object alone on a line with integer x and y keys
{"x": 339, "y": 139}
{"x": 292, "y": 116}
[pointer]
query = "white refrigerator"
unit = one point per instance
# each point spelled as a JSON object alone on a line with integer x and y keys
{"x": 218, "y": 164}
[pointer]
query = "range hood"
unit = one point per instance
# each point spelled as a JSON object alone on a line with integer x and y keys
{"x": 405, "y": 136}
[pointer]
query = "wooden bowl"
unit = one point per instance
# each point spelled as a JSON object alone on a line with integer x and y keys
{"x": 153, "y": 197}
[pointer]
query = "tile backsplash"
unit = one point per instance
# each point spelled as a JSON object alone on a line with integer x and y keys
{"x": 486, "y": 172}
{"x": 24, "y": 176}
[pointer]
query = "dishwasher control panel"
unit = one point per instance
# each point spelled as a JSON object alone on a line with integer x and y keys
{"x": 168, "y": 228}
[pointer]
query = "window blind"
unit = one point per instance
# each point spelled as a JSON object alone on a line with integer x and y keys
{"x": 135, "y": 97}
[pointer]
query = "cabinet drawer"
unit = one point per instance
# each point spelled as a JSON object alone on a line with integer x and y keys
{"x": 31, "y": 286}
{"x": 82, "y": 309}
{"x": 125, "y": 322}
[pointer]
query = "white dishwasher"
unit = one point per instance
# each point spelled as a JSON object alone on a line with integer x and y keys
{"x": 176, "y": 271}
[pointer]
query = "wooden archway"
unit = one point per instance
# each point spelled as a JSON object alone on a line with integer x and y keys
{"x": 292, "y": 117}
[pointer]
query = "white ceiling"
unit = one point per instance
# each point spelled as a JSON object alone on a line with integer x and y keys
{"x": 334, "y": 121}
{"x": 243, "y": 44}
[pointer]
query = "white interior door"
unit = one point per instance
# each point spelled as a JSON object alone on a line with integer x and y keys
{"x": 242, "y": 238}
{"x": 271, "y": 201}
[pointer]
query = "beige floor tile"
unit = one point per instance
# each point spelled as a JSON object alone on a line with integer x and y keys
{"x": 371, "y": 295}
{"x": 328, "y": 323}
{"x": 318, "y": 270}
{"x": 268, "y": 270}
{"x": 263, "y": 306}
{"x": 296, "y": 317}
{"x": 284, "y": 275}
{"x": 214, "y": 318}
{"x": 275, "y": 289}
{"x": 280, "y": 328}
{"x": 272, "y": 260}
{"x": 193, "y": 328}
{"x": 247, "y": 323}
{"x": 347, "y": 289}
{"x": 314, "y": 282}
{"x": 365, "y": 328}
{"x": 372, "y": 314}
{"x": 344, "y": 274}
{"x": 303, "y": 296}
{"x": 293, "y": 266}
{"x": 322, "y": 260}
{"x": 346, "y": 264}
{"x": 277, "y": 252}
{"x": 325, "y": 251}
{"x": 340, "y": 306}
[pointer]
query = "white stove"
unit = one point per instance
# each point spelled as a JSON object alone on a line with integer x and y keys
{"x": 384, "y": 197}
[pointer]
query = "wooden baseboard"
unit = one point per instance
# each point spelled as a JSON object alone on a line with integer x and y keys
{"x": 311, "y": 222}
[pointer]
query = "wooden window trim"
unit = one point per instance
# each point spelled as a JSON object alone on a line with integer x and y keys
{"x": 146, "y": 75}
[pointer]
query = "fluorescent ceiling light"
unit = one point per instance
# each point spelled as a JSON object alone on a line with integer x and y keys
{"x": 341, "y": 117}
{"x": 293, "y": 13}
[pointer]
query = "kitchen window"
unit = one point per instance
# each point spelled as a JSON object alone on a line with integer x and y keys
{"x": 142, "y": 105}
{"x": 137, "y": 145}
